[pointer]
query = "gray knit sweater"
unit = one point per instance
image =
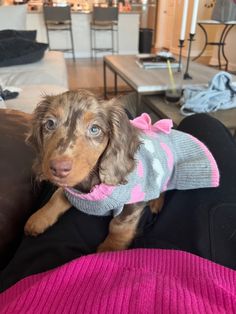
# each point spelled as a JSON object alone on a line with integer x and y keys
{"x": 167, "y": 159}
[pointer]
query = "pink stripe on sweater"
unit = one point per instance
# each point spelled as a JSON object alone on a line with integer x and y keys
{"x": 140, "y": 168}
{"x": 169, "y": 155}
{"x": 98, "y": 193}
{"x": 135, "y": 281}
{"x": 215, "y": 179}
{"x": 137, "y": 195}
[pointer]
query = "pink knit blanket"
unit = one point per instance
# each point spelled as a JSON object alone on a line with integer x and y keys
{"x": 134, "y": 281}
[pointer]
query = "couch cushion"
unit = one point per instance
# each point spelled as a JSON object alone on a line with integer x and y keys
{"x": 17, "y": 191}
{"x": 14, "y": 51}
{"x": 50, "y": 70}
{"x": 30, "y": 95}
{"x": 13, "y": 16}
{"x": 12, "y": 33}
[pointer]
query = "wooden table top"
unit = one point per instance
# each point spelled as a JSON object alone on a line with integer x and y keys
{"x": 150, "y": 81}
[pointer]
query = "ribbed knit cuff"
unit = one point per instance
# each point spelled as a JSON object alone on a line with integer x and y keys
{"x": 134, "y": 281}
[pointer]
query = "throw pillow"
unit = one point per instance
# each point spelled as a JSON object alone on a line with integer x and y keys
{"x": 15, "y": 51}
{"x": 9, "y": 33}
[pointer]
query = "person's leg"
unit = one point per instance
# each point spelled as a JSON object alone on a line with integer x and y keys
{"x": 201, "y": 221}
{"x": 74, "y": 235}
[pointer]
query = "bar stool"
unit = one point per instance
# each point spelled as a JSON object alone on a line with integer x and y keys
{"x": 58, "y": 19}
{"x": 104, "y": 20}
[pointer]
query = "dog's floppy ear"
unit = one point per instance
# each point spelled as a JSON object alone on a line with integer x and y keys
{"x": 35, "y": 137}
{"x": 118, "y": 159}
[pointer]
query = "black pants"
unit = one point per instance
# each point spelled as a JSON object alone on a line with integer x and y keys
{"x": 201, "y": 221}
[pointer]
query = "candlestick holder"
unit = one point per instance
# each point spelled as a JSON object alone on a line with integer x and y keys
{"x": 181, "y": 45}
{"x": 186, "y": 74}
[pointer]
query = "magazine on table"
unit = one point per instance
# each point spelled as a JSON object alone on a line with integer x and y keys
{"x": 158, "y": 61}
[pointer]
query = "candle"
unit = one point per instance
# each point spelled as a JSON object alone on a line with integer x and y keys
{"x": 194, "y": 17}
{"x": 184, "y": 20}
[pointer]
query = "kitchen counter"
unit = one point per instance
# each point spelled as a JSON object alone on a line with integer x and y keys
{"x": 128, "y": 26}
{"x": 38, "y": 9}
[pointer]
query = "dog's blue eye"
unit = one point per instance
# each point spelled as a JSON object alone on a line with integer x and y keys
{"x": 94, "y": 130}
{"x": 50, "y": 124}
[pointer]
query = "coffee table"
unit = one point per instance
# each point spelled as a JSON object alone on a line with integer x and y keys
{"x": 151, "y": 81}
{"x": 165, "y": 110}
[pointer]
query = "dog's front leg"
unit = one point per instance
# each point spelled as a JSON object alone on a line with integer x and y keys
{"x": 157, "y": 204}
{"x": 122, "y": 229}
{"x": 48, "y": 214}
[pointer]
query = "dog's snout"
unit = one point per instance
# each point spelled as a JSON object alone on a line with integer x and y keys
{"x": 60, "y": 168}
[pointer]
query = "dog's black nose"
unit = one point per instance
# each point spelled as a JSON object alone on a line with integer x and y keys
{"x": 60, "y": 168}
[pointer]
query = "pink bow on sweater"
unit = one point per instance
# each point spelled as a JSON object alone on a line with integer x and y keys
{"x": 144, "y": 123}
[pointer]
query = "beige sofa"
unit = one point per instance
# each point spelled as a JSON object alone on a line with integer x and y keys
{"x": 47, "y": 76}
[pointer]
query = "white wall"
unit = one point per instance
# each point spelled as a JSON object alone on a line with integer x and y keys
{"x": 197, "y": 45}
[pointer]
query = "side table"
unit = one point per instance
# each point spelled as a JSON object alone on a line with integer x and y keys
{"x": 221, "y": 43}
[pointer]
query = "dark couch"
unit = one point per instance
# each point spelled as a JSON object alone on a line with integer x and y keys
{"x": 17, "y": 188}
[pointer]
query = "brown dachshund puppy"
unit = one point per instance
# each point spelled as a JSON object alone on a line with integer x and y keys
{"x": 81, "y": 142}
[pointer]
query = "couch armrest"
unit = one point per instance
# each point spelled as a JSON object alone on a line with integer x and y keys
{"x": 17, "y": 188}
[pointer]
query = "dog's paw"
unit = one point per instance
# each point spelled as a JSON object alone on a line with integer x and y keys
{"x": 108, "y": 246}
{"x": 104, "y": 248}
{"x": 36, "y": 224}
{"x": 156, "y": 204}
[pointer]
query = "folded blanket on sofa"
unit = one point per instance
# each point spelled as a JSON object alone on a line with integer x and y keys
{"x": 6, "y": 94}
{"x": 220, "y": 94}
{"x": 133, "y": 281}
{"x": 2, "y": 103}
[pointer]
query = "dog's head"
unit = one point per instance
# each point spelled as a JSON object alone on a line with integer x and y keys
{"x": 73, "y": 134}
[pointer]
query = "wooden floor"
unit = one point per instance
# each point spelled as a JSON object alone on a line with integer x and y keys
{"x": 88, "y": 73}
